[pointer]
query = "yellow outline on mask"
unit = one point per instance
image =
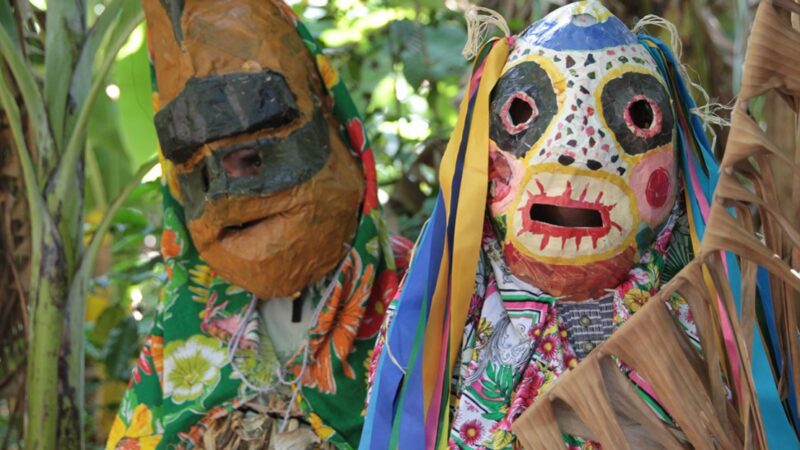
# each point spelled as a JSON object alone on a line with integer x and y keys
{"x": 593, "y": 9}
{"x": 616, "y": 180}
{"x": 169, "y": 173}
{"x": 630, "y": 160}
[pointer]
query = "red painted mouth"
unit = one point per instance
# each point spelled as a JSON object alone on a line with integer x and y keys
{"x": 563, "y": 217}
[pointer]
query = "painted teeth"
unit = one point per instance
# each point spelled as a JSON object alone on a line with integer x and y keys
{"x": 577, "y": 188}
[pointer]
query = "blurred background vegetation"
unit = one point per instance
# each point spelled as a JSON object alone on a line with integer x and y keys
{"x": 402, "y": 61}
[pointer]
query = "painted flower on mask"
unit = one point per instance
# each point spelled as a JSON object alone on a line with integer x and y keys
{"x": 191, "y": 367}
{"x": 139, "y": 435}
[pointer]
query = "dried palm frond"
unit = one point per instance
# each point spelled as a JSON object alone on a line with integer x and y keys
{"x": 258, "y": 430}
{"x": 755, "y": 217}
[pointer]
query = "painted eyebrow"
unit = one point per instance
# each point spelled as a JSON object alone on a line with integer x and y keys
{"x": 219, "y": 106}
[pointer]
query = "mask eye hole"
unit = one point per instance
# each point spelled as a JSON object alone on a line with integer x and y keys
{"x": 523, "y": 104}
{"x": 206, "y": 177}
{"x": 643, "y": 117}
{"x": 518, "y": 112}
{"x": 245, "y": 162}
{"x": 638, "y": 110}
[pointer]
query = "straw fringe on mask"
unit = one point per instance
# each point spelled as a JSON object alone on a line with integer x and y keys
{"x": 708, "y": 110}
{"x": 479, "y": 22}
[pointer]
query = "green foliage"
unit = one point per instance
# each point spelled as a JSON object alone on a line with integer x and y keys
{"x": 55, "y": 64}
{"x": 402, "y": 62}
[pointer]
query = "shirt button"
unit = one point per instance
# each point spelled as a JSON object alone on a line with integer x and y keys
{"x": 588, "y": 347}
{"x": 585, "y": 321}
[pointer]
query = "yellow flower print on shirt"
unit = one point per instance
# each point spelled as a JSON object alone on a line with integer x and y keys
{"x": 139, "y": 435}
{"x": 192, "y": 367}
{"x": 320, "y": 429}
{"x": 329, "y": 75}
{"x": 635, "y": 299}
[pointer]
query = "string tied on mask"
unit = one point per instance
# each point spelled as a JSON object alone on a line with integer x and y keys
{"x": 296, "y": 383}
{"x": 479, "y": 20}
{"x": 708, "y": 111}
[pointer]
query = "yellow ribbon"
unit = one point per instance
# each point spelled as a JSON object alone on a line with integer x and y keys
{"x": 468, "y": 224}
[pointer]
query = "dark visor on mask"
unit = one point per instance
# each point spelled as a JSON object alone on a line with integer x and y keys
{"x": 220, "y": 106}
{"x": 274, "y": 165}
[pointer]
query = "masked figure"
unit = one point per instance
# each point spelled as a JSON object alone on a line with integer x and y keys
{"x": 277, "y": 258}
{"x": 563, "y": 193}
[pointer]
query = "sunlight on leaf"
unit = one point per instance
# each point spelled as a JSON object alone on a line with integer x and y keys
{"x": 41, "y": 4}
{"x": 133, "y": 44}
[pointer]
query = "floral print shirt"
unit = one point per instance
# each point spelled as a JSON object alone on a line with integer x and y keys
{"x": 516, "y": 344}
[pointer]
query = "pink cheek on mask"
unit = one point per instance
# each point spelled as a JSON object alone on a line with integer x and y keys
{"x": 653, "y": 181}
{"x": 505, "y": 173}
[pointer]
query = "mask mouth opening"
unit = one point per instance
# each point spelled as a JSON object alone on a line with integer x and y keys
{"x": 565, "y": 216}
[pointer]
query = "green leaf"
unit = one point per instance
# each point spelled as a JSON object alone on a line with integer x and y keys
{"x": 66, "y": 27}
{"x": 135, "y": 104}
{"x": 146, "y": 194}
{"x": 66, "y": 171}
{"x": 34, "y": 106}
{"x": 109, "y": 319}
{"x": 429, "y": 53}
{"x": 121, "y": 346}
{"x": 88, "y": 55}
{"x": 9, "y": 22}
{"x": 415, "y": 69}
{"x": 132, "y": 217}
{"x": 127, "y": 243}
{"x": 109, "y": 166}
{"x": 374, "y": 68}
{"x": 443, "y": 45}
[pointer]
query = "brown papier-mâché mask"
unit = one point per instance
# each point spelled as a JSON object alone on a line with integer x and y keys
{"x": 269, "y": 188}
